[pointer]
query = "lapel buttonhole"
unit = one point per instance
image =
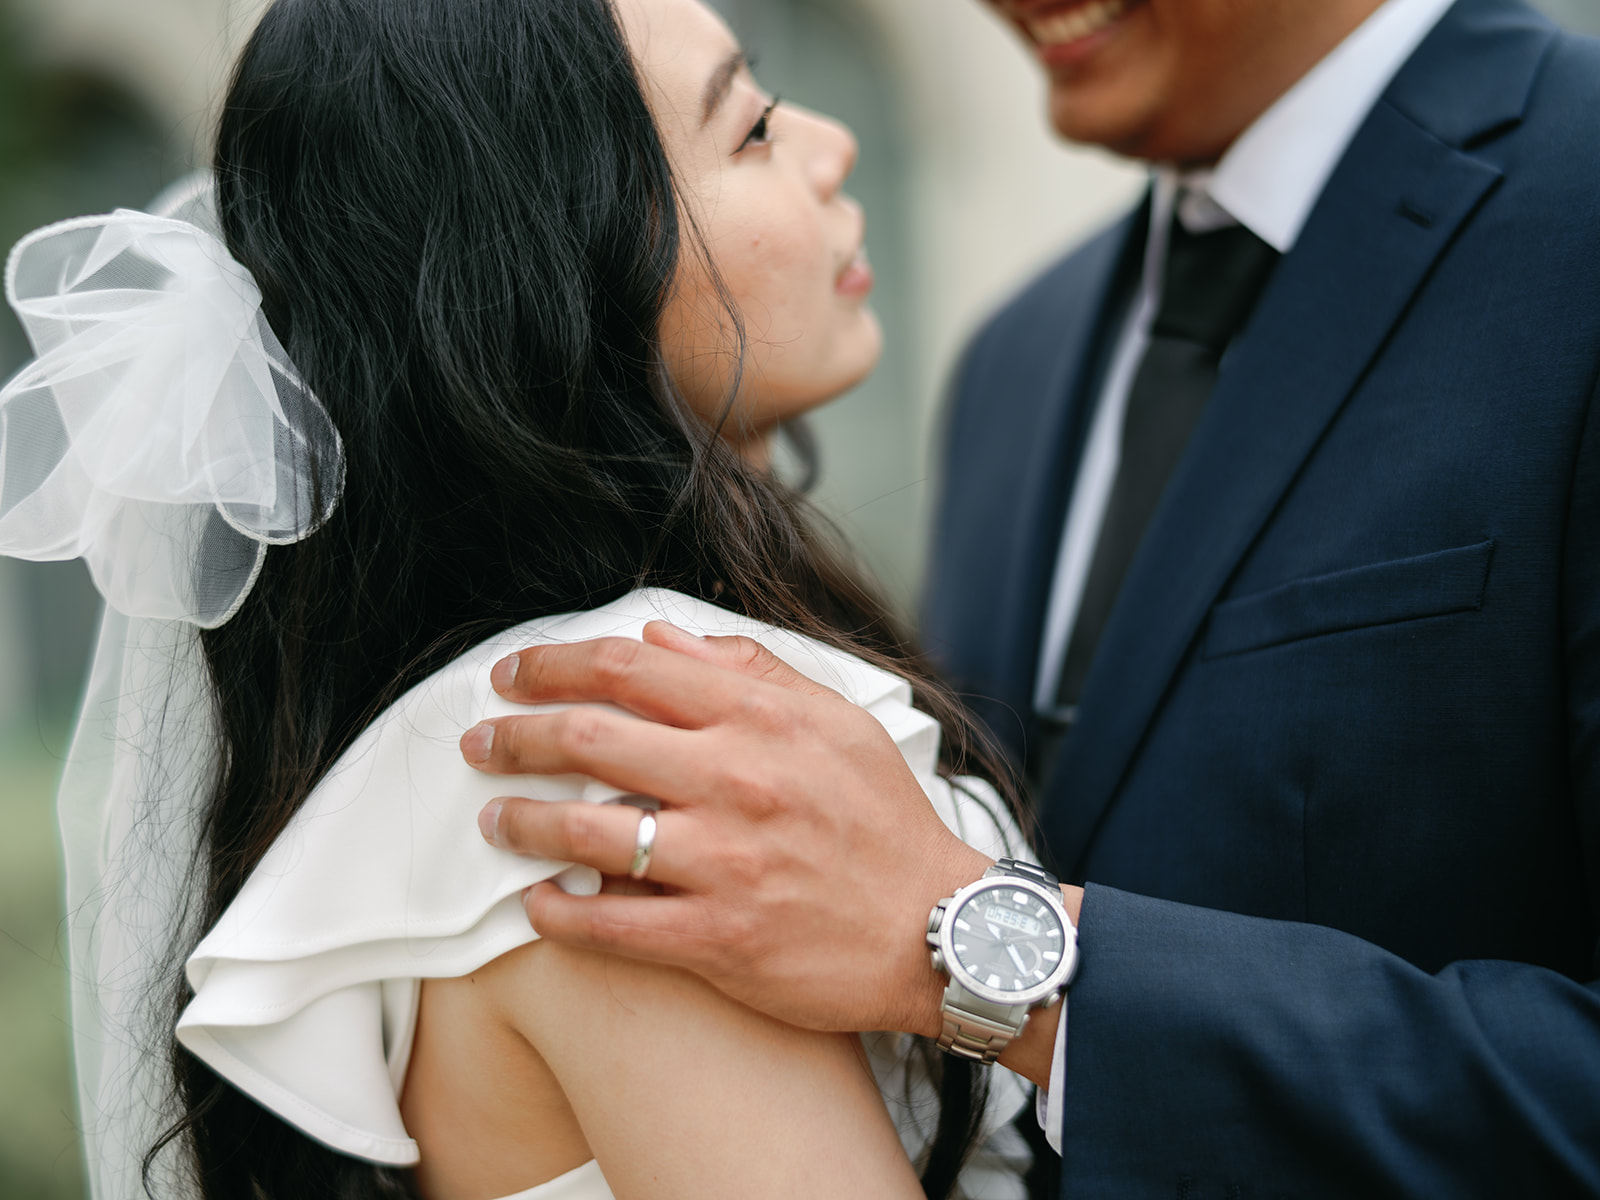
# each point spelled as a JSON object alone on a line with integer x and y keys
{"x": 1416, "y": 215}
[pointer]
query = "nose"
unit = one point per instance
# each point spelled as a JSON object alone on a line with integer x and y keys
{"x": 832, "y": 152}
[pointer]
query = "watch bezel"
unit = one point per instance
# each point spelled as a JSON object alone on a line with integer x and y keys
{"x": 1052, "y": 983}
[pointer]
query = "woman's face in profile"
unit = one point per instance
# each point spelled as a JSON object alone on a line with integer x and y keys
{"x": 764, "y": 185}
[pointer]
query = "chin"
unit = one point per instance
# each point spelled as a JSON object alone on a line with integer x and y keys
{"x": 1120, "y": 110}
{"x": 863, "y": 351}
{"x": 1080, "y": 119}
{"x": 799, "y": 388}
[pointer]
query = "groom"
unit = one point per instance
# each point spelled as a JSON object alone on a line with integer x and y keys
{"x": 1270, "y": 548}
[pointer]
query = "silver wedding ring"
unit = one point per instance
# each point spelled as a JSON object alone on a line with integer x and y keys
{"x": 643, "y": 846}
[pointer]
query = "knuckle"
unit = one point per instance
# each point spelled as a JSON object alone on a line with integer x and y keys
{"x": 764, "y": 803}
{"x": 578, "y": 731}
{"x": 763, "y": 708}
{"x": 758, "y": 792}
{"x": 600, "y": 930}
{"x": 852, "y": 730}
{"x": 512, "y": 745}
{"x": 743, "y": 867}
{"x": 736, "y": 944}
{"x": 582, "y": 833}
{"x": 614, "y": 660}
{"x": 746, "y": 652}
{"x": 533, "y": 671}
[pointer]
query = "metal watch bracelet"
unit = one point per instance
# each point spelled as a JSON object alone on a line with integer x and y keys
{"x": 974, "y": 1028}
{"x": 1027, "y": 870}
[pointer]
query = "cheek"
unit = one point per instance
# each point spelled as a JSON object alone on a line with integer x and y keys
{"x": 778, "y": 255}
{"x": 698, "y": 344}
{"x": 778, "y": 273}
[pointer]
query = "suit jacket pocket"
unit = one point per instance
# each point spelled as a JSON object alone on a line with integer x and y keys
{"x": 1406, "y": 589}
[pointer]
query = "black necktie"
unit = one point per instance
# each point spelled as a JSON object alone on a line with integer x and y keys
{"x": 1210, "y": 284}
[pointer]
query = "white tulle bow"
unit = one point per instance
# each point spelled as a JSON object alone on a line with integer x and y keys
{"x": 162, "y": 433}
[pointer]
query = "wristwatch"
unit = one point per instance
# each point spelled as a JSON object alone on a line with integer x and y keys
{"x": 1008, "y": 946}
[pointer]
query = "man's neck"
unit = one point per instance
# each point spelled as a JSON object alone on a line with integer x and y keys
{"x": 1308, "y": 34}
{"x": 1273, "y": 173}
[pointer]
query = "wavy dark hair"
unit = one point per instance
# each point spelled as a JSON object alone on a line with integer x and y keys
{"x": 464, "y": 228}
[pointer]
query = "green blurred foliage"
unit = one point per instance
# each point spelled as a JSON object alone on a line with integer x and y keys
{"x": 39, "y": 1150}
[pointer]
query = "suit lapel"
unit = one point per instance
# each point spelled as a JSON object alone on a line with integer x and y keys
{"x": 1047, "y": 450}
{"x": 1391, "y": 209}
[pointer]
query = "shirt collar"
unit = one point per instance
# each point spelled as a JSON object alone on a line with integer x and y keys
{"x": 1271, "y": 177}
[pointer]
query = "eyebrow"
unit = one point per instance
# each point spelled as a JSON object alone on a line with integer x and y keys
{"x": 718, "y": 85}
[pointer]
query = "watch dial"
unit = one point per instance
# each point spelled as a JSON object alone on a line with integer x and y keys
{"x": 1007, "y": 939}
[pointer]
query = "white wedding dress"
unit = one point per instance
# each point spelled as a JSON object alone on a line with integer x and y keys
{"x": 306, "y": 989}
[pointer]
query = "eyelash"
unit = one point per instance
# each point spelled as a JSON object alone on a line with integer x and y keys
{"x": 760, "y": 133}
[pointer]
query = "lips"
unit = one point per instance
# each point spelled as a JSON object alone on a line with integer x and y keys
{"x": 856, "y": 279}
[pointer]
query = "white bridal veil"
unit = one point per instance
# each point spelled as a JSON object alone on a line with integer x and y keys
{"x": 163, "y": 436}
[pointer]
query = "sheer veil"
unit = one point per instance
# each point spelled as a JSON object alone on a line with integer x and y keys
{"x": 162, "y": 435}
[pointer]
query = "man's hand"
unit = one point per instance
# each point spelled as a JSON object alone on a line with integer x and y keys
{"x": 798, "y": 855}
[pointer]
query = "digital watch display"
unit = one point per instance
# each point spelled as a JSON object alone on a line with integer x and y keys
{"x": 1008, "y": 946}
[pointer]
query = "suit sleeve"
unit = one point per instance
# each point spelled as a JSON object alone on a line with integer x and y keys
{"x": 1219, "y": 1055}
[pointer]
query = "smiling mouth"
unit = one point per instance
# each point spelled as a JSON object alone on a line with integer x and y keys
{"x": 1061, "y": 27}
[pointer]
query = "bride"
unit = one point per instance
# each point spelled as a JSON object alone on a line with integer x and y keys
{"x": 514, "y": 296}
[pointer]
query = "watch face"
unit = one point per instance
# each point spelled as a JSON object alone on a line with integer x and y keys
{"x": 1007, "y": 939}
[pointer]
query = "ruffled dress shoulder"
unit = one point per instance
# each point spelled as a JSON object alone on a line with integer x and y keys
{"x": 306, "y": 990}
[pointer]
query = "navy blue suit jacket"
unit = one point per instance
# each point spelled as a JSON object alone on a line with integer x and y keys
{"x": 1335, "y": 785}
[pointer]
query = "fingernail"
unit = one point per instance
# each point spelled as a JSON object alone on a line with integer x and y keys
{"x": 477, "y": 742}
{"x": 489, "y": 819}
{"x": 505, "y": 673}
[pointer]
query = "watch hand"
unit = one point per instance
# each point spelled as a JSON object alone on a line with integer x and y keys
{"x": 1016, "y": 958}
{"x": 995, "y": 932}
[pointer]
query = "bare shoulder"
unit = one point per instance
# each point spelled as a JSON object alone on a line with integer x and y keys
{"x": 488, "y": 1114}
{"x": 676, "y": 1089}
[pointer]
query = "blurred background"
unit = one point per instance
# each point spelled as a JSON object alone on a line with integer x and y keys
{"x": 104, "y": 102}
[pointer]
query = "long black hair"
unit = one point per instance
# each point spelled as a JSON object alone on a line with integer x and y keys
{"x": 464, "y": 227}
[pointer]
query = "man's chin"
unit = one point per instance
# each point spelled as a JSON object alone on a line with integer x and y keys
{"x": 1113, "y": 120}
{"x": 1080, "y": 115}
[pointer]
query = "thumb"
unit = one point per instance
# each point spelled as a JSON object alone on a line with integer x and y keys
{"x": 744, "y": 655}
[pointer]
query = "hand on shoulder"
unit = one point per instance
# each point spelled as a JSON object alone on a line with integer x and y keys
{"x": 799, "y": 855}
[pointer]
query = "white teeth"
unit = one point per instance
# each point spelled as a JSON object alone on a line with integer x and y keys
{"x": 1061, "y": 28}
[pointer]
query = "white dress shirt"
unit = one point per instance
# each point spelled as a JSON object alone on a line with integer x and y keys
{"x": 1269, "y": 181}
